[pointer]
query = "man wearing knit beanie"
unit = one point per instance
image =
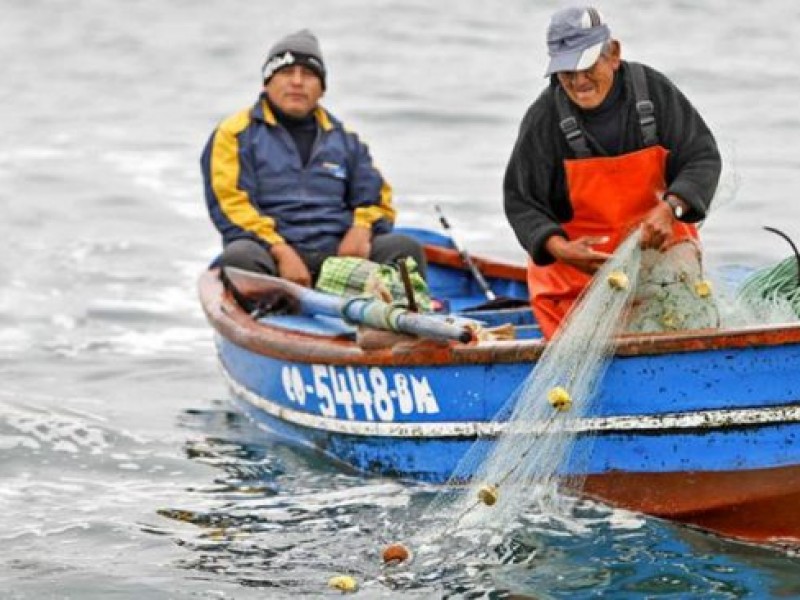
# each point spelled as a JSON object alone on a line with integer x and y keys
{"x": 299, "y": 48}
{"x": 287, "y": 186}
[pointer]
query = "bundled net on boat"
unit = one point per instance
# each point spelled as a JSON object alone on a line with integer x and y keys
{"x": 772, "y": 294}
{"x": 673, "y": 293}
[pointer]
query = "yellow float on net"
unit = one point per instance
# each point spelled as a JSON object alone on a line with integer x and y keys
{"x": 488, "y": 494}
{"x": 343, "y": 583}
{"x": 671, "y": 320}
{"x": 618, "y": 280}
{"x": 559, "y": 399}
{"x": 703, "y": 288}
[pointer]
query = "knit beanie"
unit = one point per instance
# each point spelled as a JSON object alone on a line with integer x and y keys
{"x": 299, "y": 48}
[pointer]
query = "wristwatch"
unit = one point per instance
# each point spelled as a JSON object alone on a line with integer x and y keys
{"x": 677, "y": 208}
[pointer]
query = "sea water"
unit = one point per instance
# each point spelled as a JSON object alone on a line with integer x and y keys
{"x": 124, "y": 470}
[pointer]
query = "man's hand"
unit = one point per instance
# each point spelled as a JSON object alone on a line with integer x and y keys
{"x": 356, "y": 242}
{"x": 290, "y": 266}
{"x": 578, "y": 253}
{"x": 657, "y": 227}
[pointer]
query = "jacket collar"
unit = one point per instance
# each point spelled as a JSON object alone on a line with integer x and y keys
{"x": 262, "y": 112}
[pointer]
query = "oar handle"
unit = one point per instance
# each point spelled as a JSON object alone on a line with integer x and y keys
{"x": 360, "y": 310}
{"x": 379, "y": 315}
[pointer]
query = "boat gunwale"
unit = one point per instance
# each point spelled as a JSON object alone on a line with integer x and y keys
{"x": 236, "y": 326}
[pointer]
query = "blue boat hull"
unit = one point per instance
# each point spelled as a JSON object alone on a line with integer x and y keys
{"x": 701, "y": 427}
{"x": 724, "y": 412}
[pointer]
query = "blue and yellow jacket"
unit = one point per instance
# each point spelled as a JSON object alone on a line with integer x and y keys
{"x": 257, "y": 187}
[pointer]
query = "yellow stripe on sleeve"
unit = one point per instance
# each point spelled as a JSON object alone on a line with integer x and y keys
{"x": 365, "y": 216}
{"x": 234, "y": 201}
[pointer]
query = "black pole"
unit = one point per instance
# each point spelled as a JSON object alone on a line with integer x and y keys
{"x": 794, "y": 248}
{"x": 465, "y": 257}
{"x": 409, "y": 289}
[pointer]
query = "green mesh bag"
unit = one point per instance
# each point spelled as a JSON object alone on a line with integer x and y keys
{"x": 352, "y": 276}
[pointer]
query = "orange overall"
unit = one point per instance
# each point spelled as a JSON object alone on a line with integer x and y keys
{"x": 610, "y": 196}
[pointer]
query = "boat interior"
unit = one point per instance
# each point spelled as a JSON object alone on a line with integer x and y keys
{"x": 455, "y": 291}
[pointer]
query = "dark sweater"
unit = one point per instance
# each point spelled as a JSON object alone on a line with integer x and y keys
{"x": 303, "y": 130}
{"x": 603, "y": 125}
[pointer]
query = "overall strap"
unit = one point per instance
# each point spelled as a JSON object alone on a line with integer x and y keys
{"x": 576, "y": 139}
{"x": 644, "y": 106}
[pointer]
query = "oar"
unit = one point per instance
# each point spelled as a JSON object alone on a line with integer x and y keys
{"x": 465, "y": 257}
{"x": 370, "y": 312}
{"x": 493, "y": 302}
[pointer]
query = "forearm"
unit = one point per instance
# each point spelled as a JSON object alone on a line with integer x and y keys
{"x": 696, "y": 183}
{"x": 533, "y": 229}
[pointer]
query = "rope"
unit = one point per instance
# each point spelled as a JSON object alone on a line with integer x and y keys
{"x": 776, "y": 283}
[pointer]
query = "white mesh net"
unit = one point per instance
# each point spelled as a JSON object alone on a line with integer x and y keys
{"x": 518, "y": 475}
{"x": 518, "y": 478}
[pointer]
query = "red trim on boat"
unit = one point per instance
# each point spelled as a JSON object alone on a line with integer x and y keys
{"x": 488, "y": 268}
{"x": 758, "y": 505}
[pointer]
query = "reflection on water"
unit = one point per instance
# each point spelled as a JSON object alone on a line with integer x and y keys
{"x": 284, "y": 519}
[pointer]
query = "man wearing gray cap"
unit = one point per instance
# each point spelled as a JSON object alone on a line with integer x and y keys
{"x": 609, "y": 145}
{"x": 287, "y": 186}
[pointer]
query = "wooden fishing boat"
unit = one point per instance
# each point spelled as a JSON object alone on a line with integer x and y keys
{"x": 702, "y": 427}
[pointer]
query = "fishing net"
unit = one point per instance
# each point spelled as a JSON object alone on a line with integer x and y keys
{"x": 532, "y": 470}
{"x": 673, "y": 294}
{"x": 521, "y": 471}
{"x": 771, "y": 294}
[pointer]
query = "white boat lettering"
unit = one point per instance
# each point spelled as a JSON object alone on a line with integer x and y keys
{"x": 288, "y": 385}
{"x": 323, "y": 391}
{"x": 341, "y": 393}
{"x": 354, "y": 393}
{"x": 423, "y": 394}
{"x": 405, "y": 400}
{"x": 293, "y": 385}
{"x": 380, "y": 394}
{"x": 361, "y": 393}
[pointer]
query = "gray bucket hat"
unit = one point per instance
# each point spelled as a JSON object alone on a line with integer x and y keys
{"x": 575, "y": 39}
{"x": 300, "y": 47}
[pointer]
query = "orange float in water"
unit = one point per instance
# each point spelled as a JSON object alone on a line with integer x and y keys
{"x": 395, "y": 553}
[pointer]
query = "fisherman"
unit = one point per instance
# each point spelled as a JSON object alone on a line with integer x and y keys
{"x": 287, "y": 186}
{"x": 609, "y": 145}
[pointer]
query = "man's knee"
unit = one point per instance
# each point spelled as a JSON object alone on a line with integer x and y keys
{"x": 248, "y": 255}
{"x": 390, "y": 247}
